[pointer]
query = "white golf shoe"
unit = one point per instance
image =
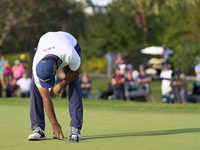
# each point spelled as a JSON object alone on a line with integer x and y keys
{"x": 38, "y": 134}
{"x": 75, "y": 135}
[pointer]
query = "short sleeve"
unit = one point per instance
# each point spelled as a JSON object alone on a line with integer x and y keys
{"x": 75, "y": 61}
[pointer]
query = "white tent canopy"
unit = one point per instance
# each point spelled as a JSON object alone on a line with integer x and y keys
{"x": 153, "y": 50}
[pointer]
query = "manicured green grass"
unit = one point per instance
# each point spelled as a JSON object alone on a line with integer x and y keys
{"x": 108, "y": 125}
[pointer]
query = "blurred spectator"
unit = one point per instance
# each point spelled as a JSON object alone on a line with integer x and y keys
{"x": 17, "y": 70}
{"x": 118, "y": 83}
{"x": 133, "y": 90}
{"x": 134, "y": 73}
{"x": 24, "y": 84}
{"x": 196, "y": 90}
{"x": 107, "y": 94}
{"x": 129, "y": 85}
{"x": 195, "y": 97}
{"x": 7, "y": 71}
{"x": 166, "y": 76}
{"x": 23, "y": 61}
{"x": 114, "y": 58}
{"x": 2, "y": 62}
{"x": 14, "y": 86}
{"x": 109, "y": 58}
{"x": 166, "y": 53}
{"x": 60, "y": 77}
{"x": 126, "y": 58}
{"x": 11, "y": 87}
{"x": 0, "y": 90}
{"x": 119, "y": 60}
{"x": 197, "y": 70}
{"x": 143, "y": 80}
{"x": 122, "y": 70}
{"x": 179, "y": 86}
{"x": 129, "y": 76}
{"x": 85, "y": 85}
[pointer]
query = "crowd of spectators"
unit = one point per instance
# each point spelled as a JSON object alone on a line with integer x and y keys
{"x": 14, "y": 78}
{"x": 127, "y": 83}
{"x": 131, "y": 84}
{"x": 174, "y": 85}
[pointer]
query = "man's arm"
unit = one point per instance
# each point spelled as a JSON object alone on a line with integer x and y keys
{"x": 71, "y": 76}
{"x": 48, "y": 105}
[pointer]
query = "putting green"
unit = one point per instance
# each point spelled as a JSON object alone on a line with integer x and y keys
{"x": 108, "y": 125}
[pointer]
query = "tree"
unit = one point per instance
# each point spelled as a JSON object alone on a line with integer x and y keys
{"x": 123, "y": 27}
{"x": 180, "y": 31}
{"x": 30, "y": 19}
{"x": 11, "y": 14}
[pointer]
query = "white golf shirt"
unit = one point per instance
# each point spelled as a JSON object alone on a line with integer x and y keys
{"x": 60, "y": 44}
{"x": 166, "y": 84}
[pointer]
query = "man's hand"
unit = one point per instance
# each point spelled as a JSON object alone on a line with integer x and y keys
{"x": 57, "y": 131}
{"x": 55, "y": 91}
{"x": 56, "y": 128}
{"x": 70, "y": 77}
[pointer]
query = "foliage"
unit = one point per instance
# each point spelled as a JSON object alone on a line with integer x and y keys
{"x": 12, "y": 14}
{"x": 132, "y": 25}
{"x": 16, "y": 56}
{"x": 113, "y": 30}
{"x": 180, "y": 32}
{"x": 40, "y": 16}
{"x": 94, "y": 65}
{"x": 186, "y": 57}
{"x": 123, "y": 25}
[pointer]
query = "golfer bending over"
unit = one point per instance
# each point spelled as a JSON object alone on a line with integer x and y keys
{"x": 55, "y": 50}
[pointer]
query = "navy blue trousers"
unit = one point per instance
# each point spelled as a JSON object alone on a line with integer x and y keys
{"x": 75, "y": 103}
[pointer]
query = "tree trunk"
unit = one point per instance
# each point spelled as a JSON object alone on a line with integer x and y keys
{"x": 33, "y": 40}
{"x": 142, "y": 21}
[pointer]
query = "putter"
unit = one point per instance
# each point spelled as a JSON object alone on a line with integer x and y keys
{"x": 60, "y": 138}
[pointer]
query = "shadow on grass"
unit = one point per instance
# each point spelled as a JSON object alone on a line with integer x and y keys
{"x": 42, "y": 140}
{"x": 148, "y": 133}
